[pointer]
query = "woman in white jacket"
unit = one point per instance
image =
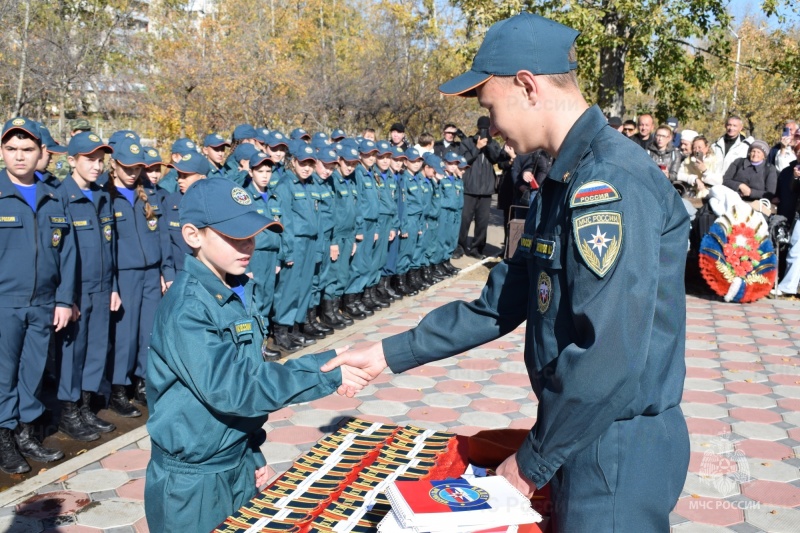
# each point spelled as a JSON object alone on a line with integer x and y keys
{"x": 699, "y": 169}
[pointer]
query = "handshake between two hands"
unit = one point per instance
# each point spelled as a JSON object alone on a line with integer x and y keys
{"x": 359, "y": 367}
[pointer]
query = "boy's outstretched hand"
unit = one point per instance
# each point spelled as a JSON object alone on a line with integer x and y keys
{"x": 362, "y": 364}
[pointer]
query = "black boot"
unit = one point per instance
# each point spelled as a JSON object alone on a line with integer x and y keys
{"x": 390, "y": 292}
{"x": 368, "y": 301}
{"x": 140, "y": 391}
{"x": 11, "y": 462}
{"x": 400, "y": 285}
{"x": 351, "y": 307}
{"x": 328, "y": 315}
{"x": 378, "y": 298}
{"x": 411, "y": 284}
{"x": 299, "y": 337}
{"x": 382, "y": 291}
{"x": 419, "y": 281}
{"x": 321, "y": 325}
{"x": 90, "y": 419}
{"x": 284, "y": 341}
{"x": 359, "y": 301}
{"x": 72, "y": 424}
{"x": 439, "y": 271}
{"x": 120, "y": 404}
{"x": 309, "y": 327}
{"x": 337, "y": 305}
{"x": 449, "y": 266}
{"x": 268, "y": 353}
{"x": 30, "y": 447}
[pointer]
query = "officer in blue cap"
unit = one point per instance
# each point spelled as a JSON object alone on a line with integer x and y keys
{"x": 433, "y": 171}
{"x": 277, "y": 146}
{"x": 337, "y": 135}
{"x": 299, "y": 134}
{"x": 214, "y": 146}
{"x": 180, "y": 148}
{"x": 452, "y": 200}
{"x": 37, "y": 281}
{"x": 243, "y": 133}
{"x": 210, "y": 388}
{"x": 388, "y": 222}
{"x": 153, "y": 166}
{"x": 599, "y": 277}
{"x": 411, "y": 224}
{"x": 394, "y": 283}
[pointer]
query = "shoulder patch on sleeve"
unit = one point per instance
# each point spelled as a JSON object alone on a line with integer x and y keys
{"x": 598, "y": 236}
{"x": 594, "y": 192}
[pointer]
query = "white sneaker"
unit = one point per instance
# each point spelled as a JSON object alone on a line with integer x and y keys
{"x": 776, "y": 292}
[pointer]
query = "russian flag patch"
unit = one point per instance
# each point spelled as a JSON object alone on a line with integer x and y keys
{"x": 594, "y": 192}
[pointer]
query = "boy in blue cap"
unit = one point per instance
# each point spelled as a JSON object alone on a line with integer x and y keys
{"x": 210, "y": 390}
{"x": 388, "y": 223}
{"x": 153, "y": 166}
{"x": 599, "y": 277}
{"x": 37, "y": 281}
{"x": 452, "y": 200}
{"x": 180, "y": 148}
{"x": 214, "y": 149}
{"x": 80, "y": 346}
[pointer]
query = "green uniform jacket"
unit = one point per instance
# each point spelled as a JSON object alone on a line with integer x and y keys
{"x": 209, "y": 392}
{"x": 599, "y": 277}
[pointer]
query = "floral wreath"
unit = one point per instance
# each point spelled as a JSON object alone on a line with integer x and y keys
{"x": 737, "y": 258}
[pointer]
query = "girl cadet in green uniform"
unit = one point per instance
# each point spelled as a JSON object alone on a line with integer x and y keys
{"x": 209, "y": 388}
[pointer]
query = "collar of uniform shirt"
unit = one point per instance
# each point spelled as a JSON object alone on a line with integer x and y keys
{"x": 577, "y": 143}
{"x": 210, "y": 282}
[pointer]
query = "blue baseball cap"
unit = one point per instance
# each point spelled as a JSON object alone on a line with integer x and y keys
{"x": 384, "y": 148}
{"x": 214, "y": 140}
{"x": 303, "y": 152}
{"x": 320, "y": 135}
{"x": 243, "y": 152}
{"x": 258, "y": 158}
{"x": 85, "y": 143}
{"x": 27, "y": 125}
{"x": 434, "y": 161}
{"x": 192, "y": 164}
{"x": 152, "y": 157}
{"x": 225, "y": 207}
{"x": 243, "y": 131}
{"x": 276, "y": 138}
{"x": 117, "y": 136}
{"x": 348, "y": 153}
{"x": 49, "y": 143}
{"x": 367, "y": 147}
{"x": 327, "y": 154}
{"x": 412, "y": 154}
{"x": 522, "y": 42}
{"x": 319, "y": 143}
{"x": 337, "y": 134}
{"x": 128, "y": 153}
{"x": 299, "y": 133}
{"x": 184, "y": 146}
{"x": 462, "y": 162}
{"x": 262, "y": 134}
{"x": 398, "y": 153}
{"x": 452, "y": 157}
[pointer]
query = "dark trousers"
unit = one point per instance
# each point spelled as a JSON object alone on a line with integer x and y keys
{"x": 475, "y": 207}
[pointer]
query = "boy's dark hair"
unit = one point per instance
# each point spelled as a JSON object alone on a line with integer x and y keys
{"x": 425, "y": 139}
{"x": 449, "y": 125}
{"x": 629, "y": 122}
{"x": 19, "y": 134}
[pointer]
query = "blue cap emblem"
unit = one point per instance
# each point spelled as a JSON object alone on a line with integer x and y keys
{"x": 240, "y": 196}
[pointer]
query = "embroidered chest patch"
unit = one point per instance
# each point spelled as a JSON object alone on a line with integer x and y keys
{"x": 56, "y": 238}
{"x": 107, "y": 232}
{"x": 152, "y": 224}
{"x": 594, "y": 192}
{"x": 598, "y": 236}
{"x": 544, "y": 292}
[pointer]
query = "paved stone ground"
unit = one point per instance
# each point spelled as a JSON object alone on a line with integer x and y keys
{"x": 742, "y": 406}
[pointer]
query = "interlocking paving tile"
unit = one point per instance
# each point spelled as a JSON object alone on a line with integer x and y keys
{"x": 709, "y": 511}
{"x": 703, "y": 410}
{"x": 772, "y": 493}
{"x": 20, "y": 524}
{"x": 317, "y": 418}
{"x": 765, "y": 449}
{"x": 444, "y": 399}
{"x": 127, "y": 460}
{"x": 113, "y": 513}
{"x": 53, "y": 504}
{"x": 413, "y": 382}
{"x": 383, "y": 408}
{"x": 279, "y": 452}
{"x": 705, "y": 385}
{"x": 468, "y": 375}
{"x": 132, "y": 490}
{"x": 433, "y": 414}
{"x": 753, "y": 430}
{"x": 487, "y": 420}
{"x": 400, "y": 395}
{"x": 773, "y": 519}
{"x": 751, "y": 400}
{"x": 97, "y": 480}
{"x": 767, "y": 470}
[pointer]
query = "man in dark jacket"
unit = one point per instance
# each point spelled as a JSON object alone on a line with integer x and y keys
{"x": 448, "y": 142}
{"x": 482, "y": 153}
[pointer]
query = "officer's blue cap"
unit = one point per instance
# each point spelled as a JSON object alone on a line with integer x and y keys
{"x": 85, "y": 143}
{"x": 337, "y": 134}
{"x": 276, "y": 138}
{"x": 462, "y": 162}
{"x": 398, "y": 153}
{"x": 349, "y": 142}
{"x": 192, "y": 164}
{"x": 259, "y": 158}
{"x": 348, "y": 153}
{"x": 152, "y": 157}
{"x": 522, "y": 42}
{"x": 225, "y": 207}
{"x": 117, "y": 136}
{"x": 184, "y": 146}
{"x": 27, "y": 125}
{"x": 319, "y": 143}
{"x": 129, "y": 153}
{"x": 384, "y": 148}
{"x": 243, "y": 152}
{"x": 367, "y": 147}
{"x": 320, "y": 135}
{"x": 299, "y": 133}
{"x": 303, "y": 152}
{"x": 214, "y": 140}
{"x": 359, "y": 138}
{"x": 434, "y": 161}
{"x": 49, "y": 143}
{"x": 327, "y": 154}
{"x": 243, "y": 131}
{"x": 262, "y": 134}
{"x": 412, "y": 154}
{"x": 452, "y": 157}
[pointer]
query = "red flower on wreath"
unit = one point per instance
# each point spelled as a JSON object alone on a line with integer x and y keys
{"x": 741, "y": 250}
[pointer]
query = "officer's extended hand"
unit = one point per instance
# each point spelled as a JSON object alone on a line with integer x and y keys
{"x": 262, "y": 476}
{"x": 392, "y": 235}
{"x": 370, "y": 360}
{"x": 509, "y": 469}
{"x": 61, "y": 317}
{"x": 334, "y": 252}
{"x": 116, "y": 302}
{"x": 76, "y": 313}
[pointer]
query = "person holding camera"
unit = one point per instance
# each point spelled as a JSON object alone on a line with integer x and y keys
{"x": 699, "y": 170}
{"x": 482, "y": 153}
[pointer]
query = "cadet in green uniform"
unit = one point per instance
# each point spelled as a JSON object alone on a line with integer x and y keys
{"x": 598, "y": 275}
{"x": 209, "y": 388}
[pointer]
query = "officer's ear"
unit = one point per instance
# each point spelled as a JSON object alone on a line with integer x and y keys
{"x": 528, "y": 83}
{"x": 192, "y": 236}
{"x": 72, "y": 160}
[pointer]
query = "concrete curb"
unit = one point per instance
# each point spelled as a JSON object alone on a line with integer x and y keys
{"x": 23, "y": 490}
